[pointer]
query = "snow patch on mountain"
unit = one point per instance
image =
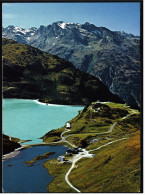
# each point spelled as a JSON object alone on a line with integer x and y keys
{"x": 62, "y": 25}
{"x": 27, "y": 30}
{"x": 19, "y": 30}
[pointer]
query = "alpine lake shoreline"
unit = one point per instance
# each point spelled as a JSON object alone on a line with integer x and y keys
{"x": 105, "y": 125}
{"x": 16, "y": 151}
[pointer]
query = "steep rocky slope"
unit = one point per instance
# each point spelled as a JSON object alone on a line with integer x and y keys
{"x": 9, "y": 144}
{"x": 111, "y": 56}
{"x": 31, "y": 73}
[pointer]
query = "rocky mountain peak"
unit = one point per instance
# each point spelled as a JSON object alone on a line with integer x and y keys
{"x": 36, "y": 74}
{"x": 111, "y": 56}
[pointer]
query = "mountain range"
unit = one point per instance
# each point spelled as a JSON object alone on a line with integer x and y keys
{"x": 31, "y": 73}
{"x": 111, "y": 56}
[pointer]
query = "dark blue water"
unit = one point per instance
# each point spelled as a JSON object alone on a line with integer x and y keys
{"x": 23, "y": 179}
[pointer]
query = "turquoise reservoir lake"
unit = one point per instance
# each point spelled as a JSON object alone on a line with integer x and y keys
{"x": 28, "y": 119}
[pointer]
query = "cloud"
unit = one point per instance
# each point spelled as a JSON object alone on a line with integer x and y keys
{"x": 8, "y": 16}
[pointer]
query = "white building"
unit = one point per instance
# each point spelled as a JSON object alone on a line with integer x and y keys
{"x": 68, "y": 126}
{"x": 61, "y": 158}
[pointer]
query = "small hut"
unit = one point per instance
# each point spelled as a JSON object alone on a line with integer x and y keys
{"x": 68, "y": 126}
{"x": 61, "y": 158}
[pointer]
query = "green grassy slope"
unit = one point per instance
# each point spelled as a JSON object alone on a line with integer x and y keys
{"x": 115, "y": 167}
{"x": 88, "y": 122}
{"x": 31, "y": 73}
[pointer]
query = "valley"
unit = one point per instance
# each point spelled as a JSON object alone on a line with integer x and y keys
{"x": 50, "y": 74}
{"x": 111, "y": 56}
{"x": 32, "y": 74}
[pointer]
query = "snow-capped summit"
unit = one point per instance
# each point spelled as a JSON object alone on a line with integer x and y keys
{"x": 62, "y": 25}
{"x": 96, "y": 50}
{"x": 18, "y": 34}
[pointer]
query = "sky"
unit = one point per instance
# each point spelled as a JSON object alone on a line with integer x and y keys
{"x": 115, "y": 16}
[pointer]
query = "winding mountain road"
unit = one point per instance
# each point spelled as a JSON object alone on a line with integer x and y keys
{"x": 85, "y": 153}
{"x": 76, "y": 158}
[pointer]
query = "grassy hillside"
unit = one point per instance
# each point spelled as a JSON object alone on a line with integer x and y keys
{"x": 112, "y": 133}
{"x": 31, "y": 73}
{"x": 114, "y": 168}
